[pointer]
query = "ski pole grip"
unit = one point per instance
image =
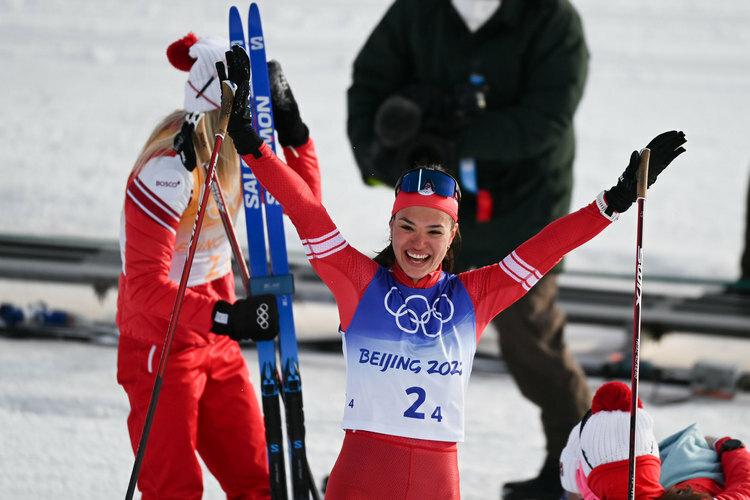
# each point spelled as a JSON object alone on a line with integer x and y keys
{"x": 227, "y": 99}
{"x": 202, "y": 146}
{"x": 642, "y": 173}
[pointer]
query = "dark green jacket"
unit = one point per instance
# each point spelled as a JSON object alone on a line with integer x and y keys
{"x": 533, "y": 56}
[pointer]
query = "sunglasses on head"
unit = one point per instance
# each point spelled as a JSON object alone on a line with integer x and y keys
{"x": 429, "y": 181}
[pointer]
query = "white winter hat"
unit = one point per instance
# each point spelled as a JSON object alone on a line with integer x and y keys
{"x": 569, "y": 458}
{"x": 605, "y": 435}
{"x": 604, "y": 442}
{"x": 199, "y": 56}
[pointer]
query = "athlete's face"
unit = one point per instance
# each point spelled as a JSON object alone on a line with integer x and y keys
{"x": 421, "y": 237}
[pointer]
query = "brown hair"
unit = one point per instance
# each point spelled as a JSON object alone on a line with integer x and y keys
{"x": 684, "y": 493}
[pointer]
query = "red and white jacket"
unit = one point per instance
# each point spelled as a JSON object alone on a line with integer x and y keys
{"x": 161, "y": 203}
{"x": 735, "y": 464}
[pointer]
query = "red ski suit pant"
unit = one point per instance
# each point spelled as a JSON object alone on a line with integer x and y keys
{"x": 374, "y": 466}
{"x": 207, "y": 405}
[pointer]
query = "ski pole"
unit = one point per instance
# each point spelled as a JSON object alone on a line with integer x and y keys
{"x": 642, "y": 179}
{"x": 227, "y": 99}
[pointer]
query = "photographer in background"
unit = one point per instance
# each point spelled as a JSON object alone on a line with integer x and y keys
{"x": 487, "y": 88}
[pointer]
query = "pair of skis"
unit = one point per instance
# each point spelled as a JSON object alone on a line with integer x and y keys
{"x": 264, "y": 217}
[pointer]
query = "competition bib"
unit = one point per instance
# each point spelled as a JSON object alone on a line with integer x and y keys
{"x": 409, "y": 353}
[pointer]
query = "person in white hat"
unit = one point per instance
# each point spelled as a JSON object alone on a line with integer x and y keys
{"x": 207, "y": 403}
{"x": 594, "y": 463}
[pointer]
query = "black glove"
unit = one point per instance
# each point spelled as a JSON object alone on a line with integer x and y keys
{"x": 292, "y": 131}
{"x": 448, "y": 110}
{"x": 183, "y": 145}
{"x": 728, "y": 444}
{"x": 240, "y": 128}
{"x": 255, "y": 317}
{"x": 664, "y": 148}
{"x": 397, "y": 121}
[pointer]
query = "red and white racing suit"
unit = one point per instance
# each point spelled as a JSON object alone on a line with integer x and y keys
{"x": 385, "y": 458}
{"x": 207, "y": 402}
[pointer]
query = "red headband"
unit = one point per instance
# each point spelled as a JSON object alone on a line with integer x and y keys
{"x": 446, "y": 204}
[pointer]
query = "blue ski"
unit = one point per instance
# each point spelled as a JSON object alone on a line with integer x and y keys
{"x": 259, "y": 271}
{"x": 264, "y": 215}
{"x": 291, "y": 384}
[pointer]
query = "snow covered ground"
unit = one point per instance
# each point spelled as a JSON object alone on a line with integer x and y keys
{"x": 64, "y": 436}
{"x": 84, "y": 84}
{"x": 62, "y": 415}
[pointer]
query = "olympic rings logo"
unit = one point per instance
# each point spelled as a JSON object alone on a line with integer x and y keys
{"x": 262, "y": 316}
{"x": 430, "y": 320}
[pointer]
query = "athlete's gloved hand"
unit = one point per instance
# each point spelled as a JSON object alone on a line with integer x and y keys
{"x": 255, "y": 317}
{"x": 183, "y": 141}
{"x": 292, "y": 131}
{"x": 726, "y": 444}
{"x": 664, "y": 148}
{"x": 183, "y": 146}
{"x": 240, "y": 128}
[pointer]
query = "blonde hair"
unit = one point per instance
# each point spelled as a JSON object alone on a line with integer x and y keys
{"x": 162, "y": 137}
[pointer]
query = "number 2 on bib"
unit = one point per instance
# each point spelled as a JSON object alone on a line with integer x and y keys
{"x": 412, "y": 412}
